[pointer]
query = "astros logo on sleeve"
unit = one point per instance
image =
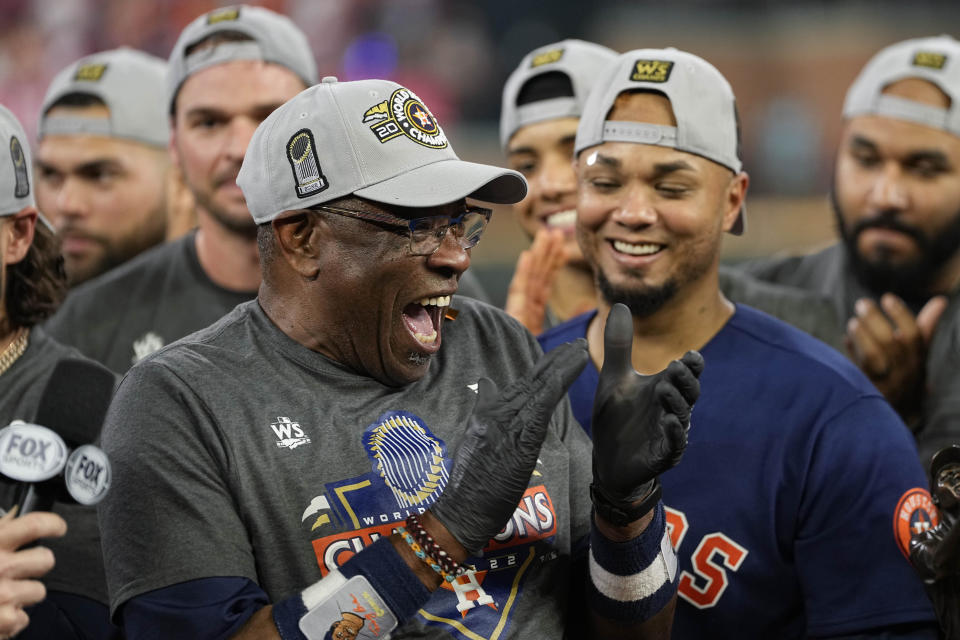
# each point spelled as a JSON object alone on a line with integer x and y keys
{"x": 915, "y": 513}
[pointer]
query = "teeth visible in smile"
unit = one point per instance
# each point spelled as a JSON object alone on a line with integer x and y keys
{"x": 636, "y": 249}
{"x": 566, "y": 218}
{"x": 426, "y": 338}
{"x": 440, "y": 301}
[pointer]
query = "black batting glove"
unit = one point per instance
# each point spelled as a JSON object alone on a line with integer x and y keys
{"x": 640, "y": 423}
{"x": 494, "y": 460}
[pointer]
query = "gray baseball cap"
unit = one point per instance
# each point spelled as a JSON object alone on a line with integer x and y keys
{"x": 580, "y": 61}
{"x": 936, "y": 60}
{"x": 128, "y": 81}
{"x": 274, "y": 38}
{"x": 16, "y": 168}
{"x": 701, "y": 98}
{"x": 370, "y": 138}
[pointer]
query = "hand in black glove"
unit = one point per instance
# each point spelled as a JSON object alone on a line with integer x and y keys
{"x": 494, "y": 460}
{"x": 640, "y": 423}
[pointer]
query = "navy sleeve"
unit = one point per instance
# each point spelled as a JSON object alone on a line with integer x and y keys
{"x": 206, "y": 608}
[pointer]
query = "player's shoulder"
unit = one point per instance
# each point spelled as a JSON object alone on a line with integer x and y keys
{"x": 140, "y": 273}
{"x": 564, "y": 332}
{"x": 222, "y": 344}
{"x": 774, "y": 344}
{"x": 797, "y": 270}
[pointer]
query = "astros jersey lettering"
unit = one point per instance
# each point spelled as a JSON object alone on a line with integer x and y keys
{"x": 796, "y": 495}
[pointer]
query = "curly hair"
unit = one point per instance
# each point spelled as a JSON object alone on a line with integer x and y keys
{"x": 36, "y": 285}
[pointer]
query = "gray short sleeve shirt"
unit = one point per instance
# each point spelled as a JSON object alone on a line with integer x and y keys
{"x": 239, "y": 452}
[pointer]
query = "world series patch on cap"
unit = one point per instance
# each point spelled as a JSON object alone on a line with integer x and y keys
{"x": 580, "y": 61}
{"x": 935, "y": 60}
{"x": 702, "y": 101}
{"x": 371, "y": 138}
{"x": 266, "y": 35}
{"x": 131, "y": 85}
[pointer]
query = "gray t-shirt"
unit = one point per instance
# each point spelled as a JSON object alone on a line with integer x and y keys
{"x": 79, "y": 567}
{"x": 239, "y": 452}
{"x": 808, "y": 311}
{"x": 131, "y": 311}
{"x": 828, "y": 273}
{"x": 160, "y": 296}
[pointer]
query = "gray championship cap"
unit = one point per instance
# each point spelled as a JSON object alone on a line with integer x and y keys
{"x": 128, "y": 81}
{"x": 273, "y": 38}
{"x": 580, "y": 61}
{"x": 936, "y": 60}
{"x": 370, "y": 138}
{"x": 16, "y": 169}
{"x": 701, "y": 98}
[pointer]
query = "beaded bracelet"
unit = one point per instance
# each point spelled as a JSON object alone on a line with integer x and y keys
{"x": 420, "y": 553}
{"x": 427, "y": 549}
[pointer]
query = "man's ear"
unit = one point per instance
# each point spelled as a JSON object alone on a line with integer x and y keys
{"x": 735, "y": 198}
{"x": 18, "y": 234}
{"x": 300, "y": 239}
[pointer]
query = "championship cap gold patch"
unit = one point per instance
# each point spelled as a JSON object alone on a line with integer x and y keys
{"x": 90, "y": 72}
{"x": 547, "y": 57}
{"x": 22, "y": 187}
{"x": 404, "y": 114}
{"x": 651, "y": 70}
{"x": 929, "y": 59}
{"x": 223, "y": 15}
{"x": 303, "y": 160}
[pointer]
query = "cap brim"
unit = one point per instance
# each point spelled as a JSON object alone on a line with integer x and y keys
{"x": 447, "y": 181}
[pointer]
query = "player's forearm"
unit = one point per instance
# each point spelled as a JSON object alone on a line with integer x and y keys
{"x": 632, "y": 570}
{"x": 402, "y": 592}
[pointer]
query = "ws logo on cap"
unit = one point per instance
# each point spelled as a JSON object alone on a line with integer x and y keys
{"x": 929, "y": 59}
{"x": 404, "y": 114}
{"x": 223, "y": 15}
{"x": 90, "y": 72}
{"x": 303, "y": 160}
{"x": 651, "y": 70}
{"x": 547, "y": 57}
{"x": 22, "y": 187}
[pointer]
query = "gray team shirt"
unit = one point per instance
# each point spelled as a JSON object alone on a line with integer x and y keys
{"x": 828, "y": 273}
{"x": 811, "y": 312}
{"x": 239, "y": 452}
{"x": 79, "y": 567}
{"x": 160, "y": 296}
{"x": 129, "y": 312}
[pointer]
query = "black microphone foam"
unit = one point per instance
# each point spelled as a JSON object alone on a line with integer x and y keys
{"x": 75, "y": 400}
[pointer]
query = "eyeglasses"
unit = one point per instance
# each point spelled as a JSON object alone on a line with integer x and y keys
{"x": 426, "y": 234}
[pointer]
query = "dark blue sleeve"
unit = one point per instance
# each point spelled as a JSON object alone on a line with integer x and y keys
{"x": 206, "y": 608}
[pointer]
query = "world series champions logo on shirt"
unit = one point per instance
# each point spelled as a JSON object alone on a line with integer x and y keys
{"x": 409, "y": 470}
{"x": 405, "y": 115}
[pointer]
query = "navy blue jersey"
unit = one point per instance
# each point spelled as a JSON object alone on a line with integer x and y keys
{"x": 796, "y": 495}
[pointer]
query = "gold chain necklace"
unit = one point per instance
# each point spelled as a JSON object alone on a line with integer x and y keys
{"x": 13, "y": 350}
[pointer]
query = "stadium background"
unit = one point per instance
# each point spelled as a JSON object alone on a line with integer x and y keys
{"x": 789, "y": 63}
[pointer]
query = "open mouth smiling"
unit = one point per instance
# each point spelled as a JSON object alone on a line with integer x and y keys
{"x": 422, "y": 319}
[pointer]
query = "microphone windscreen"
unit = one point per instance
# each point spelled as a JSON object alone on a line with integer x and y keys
{"x": 75, "y": 400}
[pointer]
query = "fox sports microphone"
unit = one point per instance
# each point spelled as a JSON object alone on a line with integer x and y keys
{"x": 54, "y": 460}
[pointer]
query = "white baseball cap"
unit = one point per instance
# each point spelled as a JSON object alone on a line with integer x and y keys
{"x": 371, "y": 138}
{"x": 580, "y": 61}
{"x": 16, "y": 168}
{"x": 273, "y": 37}
{"x": 701, "y": 98}
{"x": 936, "y": 60}
{"x": 128, "y": 81}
